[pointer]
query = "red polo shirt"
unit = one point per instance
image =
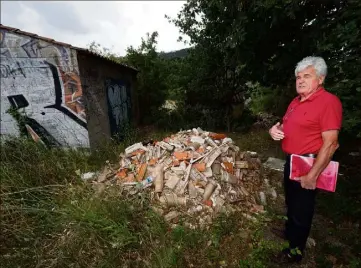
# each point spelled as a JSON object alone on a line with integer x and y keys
{"x": 305, "y": 121}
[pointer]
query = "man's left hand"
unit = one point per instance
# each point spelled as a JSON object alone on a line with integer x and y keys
{"x": 308, "y": 182}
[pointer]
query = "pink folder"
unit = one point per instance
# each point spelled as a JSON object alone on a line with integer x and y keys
{"x": 301, "y": 165}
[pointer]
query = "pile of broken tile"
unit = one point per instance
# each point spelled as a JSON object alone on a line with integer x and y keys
{"x": 192, "y": 174}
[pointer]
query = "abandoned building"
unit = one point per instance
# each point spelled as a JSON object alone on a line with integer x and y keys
{"x": 63, "y": 95}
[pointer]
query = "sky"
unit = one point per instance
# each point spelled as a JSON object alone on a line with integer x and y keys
{"x": 113, "y": 24}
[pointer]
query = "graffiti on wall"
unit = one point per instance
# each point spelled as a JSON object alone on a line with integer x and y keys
{"x": 41, "y": 80}
{"x": 119, "y": 105}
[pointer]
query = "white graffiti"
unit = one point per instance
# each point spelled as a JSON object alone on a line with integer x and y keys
{"x": 32, "y": 78}
{"x": 117, "y": 95}
{"x": 44, "y": 78}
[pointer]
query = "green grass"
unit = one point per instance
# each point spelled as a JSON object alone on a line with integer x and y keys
{"x": 50, "y": 218}
{"x": 258, "y": 141}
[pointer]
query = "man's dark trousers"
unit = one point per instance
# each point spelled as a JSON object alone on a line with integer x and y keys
{"x": 300, "y": 204}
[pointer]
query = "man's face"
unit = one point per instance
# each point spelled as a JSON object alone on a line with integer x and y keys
{"x": 307, "y": 81}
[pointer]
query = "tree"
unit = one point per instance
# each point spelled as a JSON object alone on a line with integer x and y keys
{"x": 340, "y": 43}
{"x": 103, "y": 51}
{"x": 151, "y": 80}
{"x": 260, "y": 41}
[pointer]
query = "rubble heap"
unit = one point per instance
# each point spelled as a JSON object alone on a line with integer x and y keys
{"x": 193, "y": 174}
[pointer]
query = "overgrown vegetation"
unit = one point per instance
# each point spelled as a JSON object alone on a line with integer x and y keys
{"x": 241, "y": 50}
{"x": 51, "y": 218}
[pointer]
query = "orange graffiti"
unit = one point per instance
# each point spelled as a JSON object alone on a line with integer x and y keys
{"x": 73, "y": 92}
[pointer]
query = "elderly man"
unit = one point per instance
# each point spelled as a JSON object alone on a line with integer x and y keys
{"x": 310, "y": 127}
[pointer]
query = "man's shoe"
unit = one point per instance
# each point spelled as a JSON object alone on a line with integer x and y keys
{"x": 288, "y": 256}
{"x": 281, "y": 233}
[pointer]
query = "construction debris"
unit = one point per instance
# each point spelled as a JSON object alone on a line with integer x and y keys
{"x": 193, "y": 174}
{"x": 88, "y": 176}
{"x": 275, "y": 164}
{"x": 310, "y": 242}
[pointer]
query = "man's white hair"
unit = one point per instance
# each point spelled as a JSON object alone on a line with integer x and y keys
{"x": 317, "y": 62}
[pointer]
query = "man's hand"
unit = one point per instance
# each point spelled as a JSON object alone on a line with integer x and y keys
{"x": 276, "y": 132}
{"x": 308, "y": 182}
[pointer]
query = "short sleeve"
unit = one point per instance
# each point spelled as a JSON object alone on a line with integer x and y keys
{"x": 331, "y": 115}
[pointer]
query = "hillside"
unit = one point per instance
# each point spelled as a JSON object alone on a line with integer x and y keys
{"x": 175, "y": 54}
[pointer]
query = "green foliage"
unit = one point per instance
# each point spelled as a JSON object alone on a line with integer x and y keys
{"x": 242, "y": 49}
{"x": 160, "y": 77}
{"x": 240, "y": 41}
{"x": 340, "y": 43}
{"x": 176, "y": 77}
{"x": 259, "y": 257}
{"x": 44, "y": 204}
{"x": 151, "y": 84}
{"x": 103, "y": 51}
{"x": 20, "y": 121}
{"x": 262, "y": 98}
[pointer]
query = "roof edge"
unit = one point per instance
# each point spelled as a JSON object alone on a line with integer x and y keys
{"x": 33, "y": 35}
